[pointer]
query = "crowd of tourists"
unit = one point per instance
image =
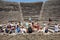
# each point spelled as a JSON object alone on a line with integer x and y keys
{"x": 27, "y": 28}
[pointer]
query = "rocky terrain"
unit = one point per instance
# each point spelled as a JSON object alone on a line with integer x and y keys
{"x": 38, "y": 36}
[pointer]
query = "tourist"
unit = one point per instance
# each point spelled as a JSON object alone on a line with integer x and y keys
{"x": 13, "y": 27}
{"x": 50, "y": 20}
{"x": 8, "y": 29}
{"x": 23, "y": 30}
{"x": 17, "y": 29}
{"x": 35, "y": 26}
{"x": 29, "y": 30}
{"x": 32, "y": 24}
{"x": 56, "y": 28}
{"x": 45, "y": 29}
{"x": 26, "y": 24}
{"x": 1, "y": 29}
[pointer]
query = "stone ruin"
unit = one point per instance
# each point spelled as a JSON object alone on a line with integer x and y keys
{"x": 51, "y": 9}
{"x": 9, "y": 11}
{"x": 39, "y": 11}
{"x": 12, "y": 11}
{"x": 31, "y": 10}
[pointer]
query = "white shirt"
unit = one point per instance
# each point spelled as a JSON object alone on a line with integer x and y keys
{"x": 56, "y": 28}
{"x": 23, "y": 30}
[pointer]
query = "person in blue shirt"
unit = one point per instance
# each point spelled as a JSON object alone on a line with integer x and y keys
{"x": 17, "y": 29}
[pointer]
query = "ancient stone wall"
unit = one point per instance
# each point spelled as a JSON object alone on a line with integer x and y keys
{"x": 51, "y": 10}
{"x": 11, "y": 11}
{"x": 31, "y": 10}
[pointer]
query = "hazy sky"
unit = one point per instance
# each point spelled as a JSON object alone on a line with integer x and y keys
{"x": 26, "y": 0}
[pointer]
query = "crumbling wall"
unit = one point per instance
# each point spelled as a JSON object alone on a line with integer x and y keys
{"x": 31, "y": 37}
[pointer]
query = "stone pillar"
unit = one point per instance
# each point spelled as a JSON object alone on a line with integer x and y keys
{"x": 51, "y": 9}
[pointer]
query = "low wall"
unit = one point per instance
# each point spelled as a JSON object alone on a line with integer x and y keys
{"x": 31, "y": 37}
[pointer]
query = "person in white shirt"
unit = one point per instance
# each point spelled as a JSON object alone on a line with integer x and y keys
{"x": 23, "y": 30}
{"x": 56, "y": 28}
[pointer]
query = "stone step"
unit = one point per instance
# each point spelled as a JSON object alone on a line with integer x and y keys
{"x": 52, "y": 31}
